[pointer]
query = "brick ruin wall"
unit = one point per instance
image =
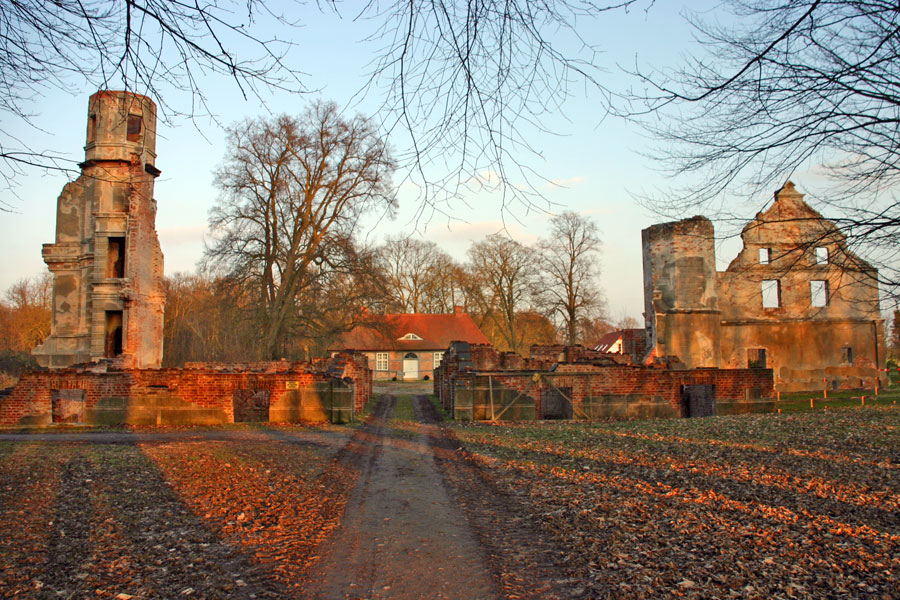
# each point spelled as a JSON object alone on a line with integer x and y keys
{"x": 200, "y": 394}
{"x": 595, "y": 390}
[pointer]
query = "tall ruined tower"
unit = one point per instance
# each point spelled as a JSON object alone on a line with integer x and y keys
{"x": 107, "y": 265}
{"x": 680, "y": 298}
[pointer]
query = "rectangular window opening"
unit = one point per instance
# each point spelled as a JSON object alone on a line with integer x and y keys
{"x": 134, "y": 128}
{"x": 756, "y": 358}
{"x": 92, "y": 128}
{"x": 381, "y": 361}
{"x": 847, "y": 355}
{"x": 115, "y": 257}
{"x": 765, "y": 256}
{"x": 771, "y": 293}
{"x": 113, "y": 341}
{"x": 818, "y": 292}
{"x": 821, "y": 256}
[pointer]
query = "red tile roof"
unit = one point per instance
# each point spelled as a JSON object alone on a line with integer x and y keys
{"x": 437, "y": 331}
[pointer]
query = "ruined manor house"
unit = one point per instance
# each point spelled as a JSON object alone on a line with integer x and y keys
{"x": 796, "y": 310}
{"x": 796, "y": 299}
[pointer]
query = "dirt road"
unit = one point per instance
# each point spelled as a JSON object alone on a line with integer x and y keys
{"x": 423, "y": 522}
{"x": 402, "y": 535}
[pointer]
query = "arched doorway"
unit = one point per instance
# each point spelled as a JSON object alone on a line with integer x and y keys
{"x": 410, "y": 366}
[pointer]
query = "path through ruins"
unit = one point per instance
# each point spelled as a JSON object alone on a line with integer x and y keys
{"x": 402, "y": 535}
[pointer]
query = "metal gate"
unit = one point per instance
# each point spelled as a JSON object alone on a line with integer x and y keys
{"x": 698, "y": 400}
{"x": 251, "y": 406}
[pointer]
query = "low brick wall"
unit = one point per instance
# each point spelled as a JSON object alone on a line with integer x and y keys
{"x": 591, "y": 392}
{"x": 847, "y": 377}
{"x": 202, "y": 394}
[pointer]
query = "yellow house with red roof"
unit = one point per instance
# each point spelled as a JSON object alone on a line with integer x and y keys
{"x": 409, "y": 346}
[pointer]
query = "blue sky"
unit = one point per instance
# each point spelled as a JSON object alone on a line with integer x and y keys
{"x": 596, "y": 161}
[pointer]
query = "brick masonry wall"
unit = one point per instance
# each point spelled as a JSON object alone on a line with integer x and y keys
{"x": 583, "y": 383}
{"x": 199, "y": 394}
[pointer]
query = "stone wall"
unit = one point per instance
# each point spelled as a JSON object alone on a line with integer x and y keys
{"x": 471, "y": 386}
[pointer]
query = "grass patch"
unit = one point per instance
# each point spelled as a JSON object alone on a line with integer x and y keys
{"x": 404, "y": 410}
{"x": 800, "y": 401}
{"x": 439, "y": 407}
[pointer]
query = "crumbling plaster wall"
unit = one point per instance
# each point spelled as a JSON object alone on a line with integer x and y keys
{"x": 788, "y": 246}
{"x": 106, "y": 259}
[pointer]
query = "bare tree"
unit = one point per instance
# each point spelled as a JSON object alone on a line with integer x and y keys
{"x": 785, "y": 86}
{"x": 292, "y": 191}
{"x": 156, "y": 47}
{"x": 468, "y": 82}
{"x": 411, "y": 267}
{"x": 507, "y": 272}
{"x": 420, "y": 277}
{"x": 446, "y": 291}
{"x": 570, "y": 266}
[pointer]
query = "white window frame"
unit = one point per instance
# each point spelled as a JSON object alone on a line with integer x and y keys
{"x": 436, "y": 359}
{"x": 382, "y": 361}
{"x": 819, "y": 296}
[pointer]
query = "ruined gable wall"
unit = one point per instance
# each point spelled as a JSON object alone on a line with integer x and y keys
{"x": 805, "y": 345}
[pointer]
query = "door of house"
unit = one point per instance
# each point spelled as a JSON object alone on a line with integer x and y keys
{"x": 410, "y": 366}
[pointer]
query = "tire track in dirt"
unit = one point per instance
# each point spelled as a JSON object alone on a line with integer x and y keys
{"x": 526, "y": 560}
{"x": 402, "y": 536}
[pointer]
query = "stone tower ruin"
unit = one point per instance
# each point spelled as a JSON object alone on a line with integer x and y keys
{"x": 107, "y": 264}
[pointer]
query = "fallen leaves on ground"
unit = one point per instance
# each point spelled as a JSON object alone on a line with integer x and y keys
{"x": 754, "y": 506}
{"x": 196, "y": 518}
